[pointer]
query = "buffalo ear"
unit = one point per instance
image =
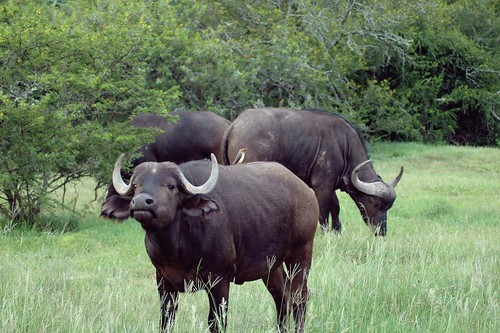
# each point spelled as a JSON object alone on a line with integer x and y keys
{"x": 116, "y": 207}
{"x": 199, "y": 206}
{"x": 346, "y": 184}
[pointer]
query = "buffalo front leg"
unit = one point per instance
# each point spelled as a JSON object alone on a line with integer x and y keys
{"x": 277, "y": 285}
{"x": 324, "y": 196}
{"x": 169, "y": 301}
{"x": 334, "y": 212}
{"x": 218, "y": 298}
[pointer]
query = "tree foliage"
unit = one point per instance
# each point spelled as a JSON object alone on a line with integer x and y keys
{"x": 69, "y": 84}
{"x": 74, "y": 72}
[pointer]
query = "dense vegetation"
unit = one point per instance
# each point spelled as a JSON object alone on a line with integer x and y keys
{"x": 435, "y": 271}
{"x": 73, "y": 72}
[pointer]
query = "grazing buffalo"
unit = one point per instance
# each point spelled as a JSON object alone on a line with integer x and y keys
{"x": 246, "y": 222}
{"x": 323, "y": 150}
{"x": 193, "y": 137}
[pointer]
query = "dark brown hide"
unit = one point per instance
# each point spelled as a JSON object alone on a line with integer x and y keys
{"x": 322, "y": 149}
{"x": 193, "y": 137}
{"x": 258, "y": 219}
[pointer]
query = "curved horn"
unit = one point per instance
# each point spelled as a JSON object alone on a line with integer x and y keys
{"x": 377, "y": 188}
{"x": 118, "y": 183}
{"x": 396, "y": 180}
{"x": 209, "y": 184}
{"x": 239, "y": 157}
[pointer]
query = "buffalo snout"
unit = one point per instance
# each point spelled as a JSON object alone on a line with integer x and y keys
{"x": 142, "y": 207}
{"x": 142, "y": 201}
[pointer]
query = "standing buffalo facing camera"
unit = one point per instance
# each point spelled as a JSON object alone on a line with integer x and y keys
{"x": 322, "y": 149}
{"x": 246, "y": 222}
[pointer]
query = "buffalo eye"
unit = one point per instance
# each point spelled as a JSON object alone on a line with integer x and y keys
{"x": 171, "y": 187}
{"x": 134, "y": 186}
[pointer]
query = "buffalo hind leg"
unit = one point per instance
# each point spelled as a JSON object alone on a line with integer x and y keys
{"x": 169, "y": 303}
{"x": 218, "y": 298}
{"x": 299, "y": 295}
{"x": 298, "y": 266}
{"x": 277, "y": 285}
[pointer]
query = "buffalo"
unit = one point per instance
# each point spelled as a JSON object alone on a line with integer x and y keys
{"x": 244, "y": 222}
{"x": 194, "y": 136}
{"x": 322, "y": 149}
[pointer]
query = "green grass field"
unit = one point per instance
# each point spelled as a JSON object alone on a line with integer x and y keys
{"x": 438, "y": 270}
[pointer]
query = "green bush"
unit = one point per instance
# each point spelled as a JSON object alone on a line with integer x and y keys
{"x": 69, "y": 85}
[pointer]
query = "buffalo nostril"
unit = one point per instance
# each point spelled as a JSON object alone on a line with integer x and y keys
{"x": 149, "y": 201}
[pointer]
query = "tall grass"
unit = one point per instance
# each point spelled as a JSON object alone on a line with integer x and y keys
{"x": 436, "y": 271}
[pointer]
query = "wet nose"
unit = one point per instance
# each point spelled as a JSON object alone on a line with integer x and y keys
{"x": 142, "y": 201}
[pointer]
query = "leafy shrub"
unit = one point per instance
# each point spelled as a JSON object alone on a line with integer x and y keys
{"x": 69, "y": 84}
